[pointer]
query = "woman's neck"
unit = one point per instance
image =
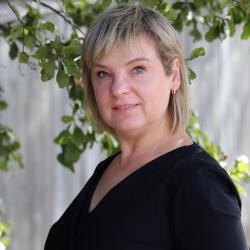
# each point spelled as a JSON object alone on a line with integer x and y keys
{"x": 149, "y": 145}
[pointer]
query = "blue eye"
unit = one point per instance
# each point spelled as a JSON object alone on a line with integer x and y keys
{"x": 139, "y": 69}
{"x": 102, "y": 74}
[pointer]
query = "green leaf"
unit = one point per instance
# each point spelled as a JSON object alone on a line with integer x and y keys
{"x": 210, "y": 36}
{"x": 196, "y": 53}
{"x": 8, "y": 148}
{"x": 222, "y": 33}
{"x": 56, "y": 45}
{"x": 42, "y": 52}
{"x": 243, "y": 167}
{"x": 71, "y": 154}
{"x": 16, "y": 32}
{"x": 73, "y": 49}
{"x": 214, "y": 32}
{"x": 61, "y": 159}
{"x": 48, "y": 26}
{"x": 4, "y": 158}
{"x": 63, "y": 138}
{"x": 108, "y": 143}
{"x": 30, "y": 41}
{"x": 237, "y": 14}
{"x": 13, "y": 52}
{"x": 67, "y": 119}
{"x": 48, "y": 70}
{"x": 191, "y": 74}
{"x": 178, "y": 24}
{"x": 246, "y": 31}
{"x": 23, "y": 57}
{"x": 195, "y": 33}
{"x": 76, "y": 107}
{"x": 232, "y": 27}
{"x": 33, "y": 15}
{"x": 162, "y": 6}
{"x": 76, "y": 92}
{"x": 171, "y": 15}
{"x": 62, "y": 78}
{"x": 78, "y": 137}
{"x": 72, "y": 68}
{"x": 178, "y": 5}
{"x": 167, "y": 11}
{"x": 14, "y": 146}
{"x": 19, "y": 160}
{"x": 3, "y": 105}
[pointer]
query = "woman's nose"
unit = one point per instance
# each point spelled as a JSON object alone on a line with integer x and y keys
{"x": 120, "y": 86}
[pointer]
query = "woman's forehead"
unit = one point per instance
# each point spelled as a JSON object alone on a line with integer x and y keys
{"x": 139, "y": 44}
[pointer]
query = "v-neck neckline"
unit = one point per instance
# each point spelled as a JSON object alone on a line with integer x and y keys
{"x": 106, "y": 164}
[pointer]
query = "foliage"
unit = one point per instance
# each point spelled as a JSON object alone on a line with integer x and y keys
{"x": 9, "y": 146}
{"x": 32, "y": 38}
{"x": 35, "y": 40}
{"x": 220, "y": 18}
{"x": 9, "y": 154}
{"x": 239, "y": 171}
{"x": 4, "y": 231}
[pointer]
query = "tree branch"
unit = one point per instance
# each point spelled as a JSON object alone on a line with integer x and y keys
{"x": 21, "y": 21}
{"x": 13, "y": 9}
{"x": 62, "y": 15}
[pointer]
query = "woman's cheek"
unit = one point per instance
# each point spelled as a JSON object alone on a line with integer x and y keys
{"x": 102, "y": 85}
{"x": 105, "y": 84}
{"x": 141, "y": 77}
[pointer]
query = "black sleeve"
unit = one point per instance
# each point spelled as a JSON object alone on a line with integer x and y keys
{"x": 208, "y": 214}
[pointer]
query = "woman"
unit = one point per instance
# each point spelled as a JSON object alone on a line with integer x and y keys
{"x": 162, "y": 191}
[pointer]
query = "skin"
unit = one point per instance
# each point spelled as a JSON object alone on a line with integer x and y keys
{"x": 132, "y": 93}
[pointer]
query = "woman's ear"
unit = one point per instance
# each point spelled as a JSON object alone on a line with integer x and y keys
{"x": 175, "y": 75}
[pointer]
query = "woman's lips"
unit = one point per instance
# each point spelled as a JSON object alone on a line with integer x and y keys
{"x": 125, "y": 107}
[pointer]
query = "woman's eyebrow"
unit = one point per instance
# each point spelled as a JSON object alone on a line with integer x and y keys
{"x": 127, "y": 63}
{"x": 137, "y": 59}
{"x": 100, "y": 65}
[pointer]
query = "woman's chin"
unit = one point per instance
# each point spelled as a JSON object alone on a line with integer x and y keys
{"x": 128, "y": 128}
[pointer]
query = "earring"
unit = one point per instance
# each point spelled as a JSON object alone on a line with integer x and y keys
{"x": 173, "y": 91}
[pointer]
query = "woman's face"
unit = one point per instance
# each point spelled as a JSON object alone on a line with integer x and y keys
{"x": 131, "y": 88}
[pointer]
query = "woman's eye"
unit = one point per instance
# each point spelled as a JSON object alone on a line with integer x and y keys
{"x": 102, "y": 74}
{"x": 139, "y": 69}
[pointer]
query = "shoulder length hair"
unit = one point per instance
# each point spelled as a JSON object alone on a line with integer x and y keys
{"x": 122, "y": 24}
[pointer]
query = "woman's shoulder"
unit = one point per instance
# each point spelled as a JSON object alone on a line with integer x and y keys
{"x": 196, "y": 161}
{"x": 199, "y": 169}
{"x": 204, "y": 201}
{"x": 62, "y": 228}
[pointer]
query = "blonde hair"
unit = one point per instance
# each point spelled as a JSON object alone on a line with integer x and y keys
{"x": 122, "y": 24}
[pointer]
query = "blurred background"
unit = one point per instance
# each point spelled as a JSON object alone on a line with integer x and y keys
{"x": 35, "y": 197}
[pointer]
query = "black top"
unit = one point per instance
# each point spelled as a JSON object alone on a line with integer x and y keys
{"x": 182, "y": 200}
